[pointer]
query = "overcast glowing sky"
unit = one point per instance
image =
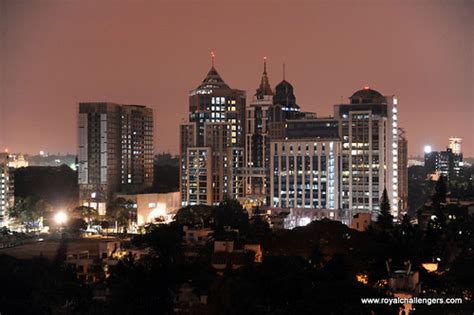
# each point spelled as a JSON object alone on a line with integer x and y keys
{"x": 54, "y": 54}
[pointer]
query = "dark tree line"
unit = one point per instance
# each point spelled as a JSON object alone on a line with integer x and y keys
{"x": 54, "y": 185}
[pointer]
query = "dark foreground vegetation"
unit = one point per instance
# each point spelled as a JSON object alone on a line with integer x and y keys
{"x": 307, "y": 270}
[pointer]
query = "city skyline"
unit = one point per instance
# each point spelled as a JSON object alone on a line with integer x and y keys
{"x": 48, "y": 69}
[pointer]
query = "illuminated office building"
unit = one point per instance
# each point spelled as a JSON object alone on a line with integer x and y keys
{"x": 211, "y": 141}
{"x": 305, "y": 173}
{"x": 115, "y": 151}
{"x": 455, "y": 144}
{"x": 402, "y": 171}
{"x": 447, "y": 163}
{"x": 197, "y": 184}
{"x": 369, "y": 135}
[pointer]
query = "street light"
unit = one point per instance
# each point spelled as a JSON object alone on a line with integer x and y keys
{"x": 60, "y": 218}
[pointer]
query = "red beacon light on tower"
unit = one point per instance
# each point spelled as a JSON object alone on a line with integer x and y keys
{"x": 366, "y": 87}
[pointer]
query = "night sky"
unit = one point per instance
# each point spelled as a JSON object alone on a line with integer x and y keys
{"x": 54, "y": 54}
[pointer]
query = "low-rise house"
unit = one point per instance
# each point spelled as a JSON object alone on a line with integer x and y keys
{"x": 92, "y": 266}
{"x": 197, "y": 236}
{"x": 195, "y": 241}
{"x": 227, "y": 256}
{"x": 361, "y": 221}
{"x": 404, "y": 283}
{"x": 87, "y": 266}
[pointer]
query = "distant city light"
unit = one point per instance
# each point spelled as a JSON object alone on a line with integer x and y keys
{"x": 427, "y": 149}
{"x": 60, "y": 218}
{"x": 41, "y": 153}
{"x": 430, "y": 267}
{"x": 362, "y": 278}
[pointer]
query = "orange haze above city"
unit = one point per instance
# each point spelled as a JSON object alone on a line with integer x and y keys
{"x": 54, "y": 54}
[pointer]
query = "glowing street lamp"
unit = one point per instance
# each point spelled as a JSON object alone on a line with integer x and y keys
{"x": 60, "y": 218}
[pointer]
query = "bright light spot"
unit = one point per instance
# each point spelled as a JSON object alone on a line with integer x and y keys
{"x": 41, "y": 153}
{"x": 93, "y": 195}
{"x": 430, "y": 267}
{"x": 362, "y": 278}
{"x": 159, "y": 211}
{"x": 366, "y": 87}
{"x": 427, "y": 149}
{"x": 60, "y": 218}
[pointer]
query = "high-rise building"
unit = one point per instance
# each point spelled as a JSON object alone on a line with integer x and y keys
{"x": 214, "y": 135}
{"x": 136, "y": 148}
{"x": 292, "y": 159}
{"x": 284, "y": 108}
{"x": 257, "y": 141}
{"x": 115, "y": 151}
{"x": 369, "y": 134}
{"x": 455, "y": 145}
{"x": 285, "y": 97}
{"x": 6, "y": 188}
{"x": 187, "y": 141}
{"x": 214, "y": 101}
{"x": 196, "y": 185}
{"x": 402, "y": 171}
{"x": 305, "y": 173}
{"x": 444, "y": 163}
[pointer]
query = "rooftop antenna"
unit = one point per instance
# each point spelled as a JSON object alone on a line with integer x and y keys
{"x": 265, "y": 64}
{"x": 212, "y": 58}
{"x": 284, "y": 66}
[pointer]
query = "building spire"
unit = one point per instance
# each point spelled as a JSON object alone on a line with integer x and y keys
{"x": 212, "y": 58}
{"x": 264, "y": 88}
{"x": 284, "y": 71}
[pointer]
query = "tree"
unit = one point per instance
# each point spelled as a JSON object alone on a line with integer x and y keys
{"x": 120, "y": 211}
{"x": 230, "y": 213}
{"x": 385, "y": 219}
{"x": 29, "y": 212}
{"x": 438, "y": 207}
{"x": 57, "y": 185}
{"x": 316, "y": 258}
{"x": 259, "y": 229}
{"x": 440, "y": 192}
{"x": 406, "y": 228}
{"x": 194, "y": 215}
{"x": 89, "y": 214}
